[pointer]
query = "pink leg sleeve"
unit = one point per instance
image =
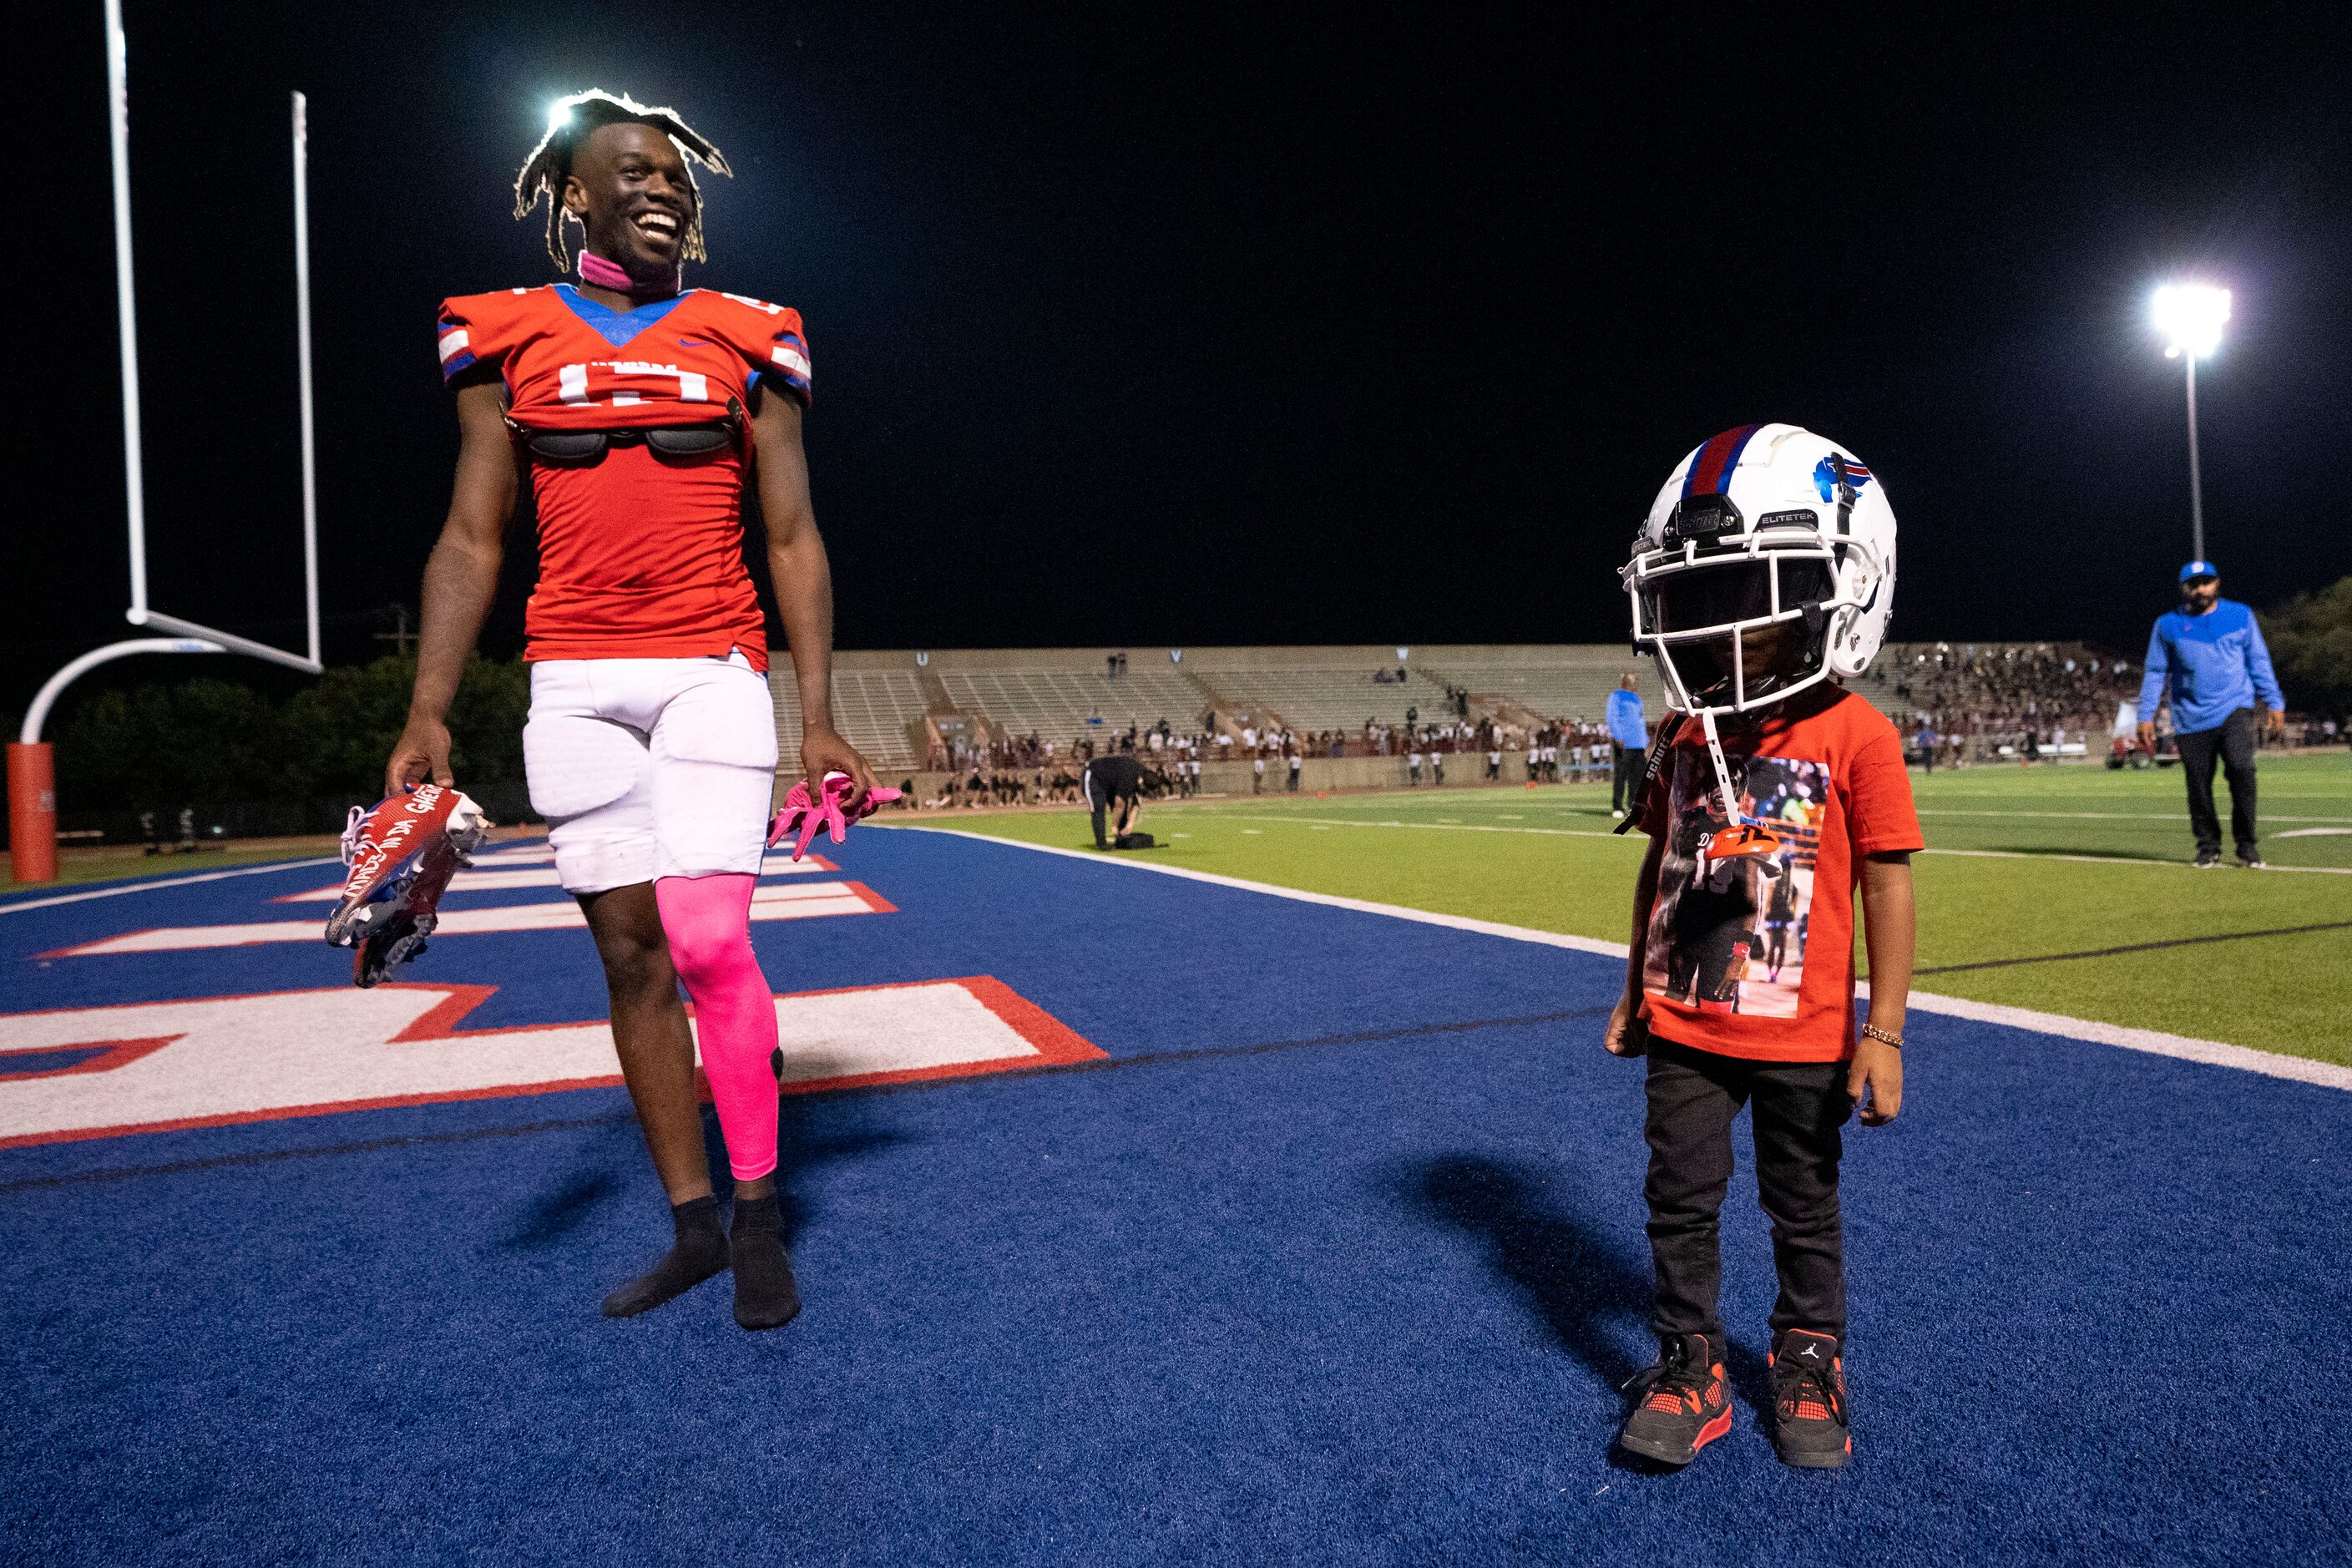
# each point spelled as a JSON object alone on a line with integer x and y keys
{"x": 708, "y": 922}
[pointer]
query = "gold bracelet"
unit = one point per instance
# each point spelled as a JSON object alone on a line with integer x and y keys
{"x": 1876, "y": 1033}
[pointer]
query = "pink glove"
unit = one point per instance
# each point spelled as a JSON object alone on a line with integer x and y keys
{"x": 808, "y": 816}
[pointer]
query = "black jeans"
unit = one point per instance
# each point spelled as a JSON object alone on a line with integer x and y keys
{"x": 1799, "y": 1107}
{"x": 1626, "y": 784}
{"x": 2234, "y": 742}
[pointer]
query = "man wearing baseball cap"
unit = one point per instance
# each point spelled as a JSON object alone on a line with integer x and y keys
{"x": 2207, "y": 660}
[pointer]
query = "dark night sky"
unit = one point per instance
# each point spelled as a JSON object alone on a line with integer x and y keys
{"x": 1379, "y": 323}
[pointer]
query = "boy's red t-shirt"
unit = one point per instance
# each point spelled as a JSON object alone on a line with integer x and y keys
{"x": 1752, "y": 955}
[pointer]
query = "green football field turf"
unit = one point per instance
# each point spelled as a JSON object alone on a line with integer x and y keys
{"x": 2053, "y": 866}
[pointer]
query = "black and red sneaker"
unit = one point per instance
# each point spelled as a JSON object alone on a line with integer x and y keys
{"x": 1809, "y": 1412}
{"x": 1681, "y": 1403}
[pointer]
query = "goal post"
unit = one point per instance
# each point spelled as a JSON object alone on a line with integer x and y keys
{"x": 32, "y": 787}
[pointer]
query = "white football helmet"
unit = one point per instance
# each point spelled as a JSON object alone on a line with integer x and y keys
{"x": 1763, "y": 523}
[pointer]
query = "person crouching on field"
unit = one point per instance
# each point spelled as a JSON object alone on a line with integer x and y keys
{"x": 1763, "y": 576}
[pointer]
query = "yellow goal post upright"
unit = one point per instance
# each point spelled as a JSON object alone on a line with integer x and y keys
{"x": 31, "y": 774}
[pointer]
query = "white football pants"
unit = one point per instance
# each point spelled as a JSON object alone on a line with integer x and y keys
{"x": 650, "y": 767}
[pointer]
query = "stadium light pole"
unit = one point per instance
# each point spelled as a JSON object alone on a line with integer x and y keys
{"x": 2189, "y": 315}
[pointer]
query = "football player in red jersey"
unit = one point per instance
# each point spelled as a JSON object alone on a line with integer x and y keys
{"x": 638, "y": 412}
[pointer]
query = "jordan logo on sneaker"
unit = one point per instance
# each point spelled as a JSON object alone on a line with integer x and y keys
{"x": 1811, "y": 1353}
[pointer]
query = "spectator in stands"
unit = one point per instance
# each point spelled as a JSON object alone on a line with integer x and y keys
{"x": 1412, "y": 767}
{"x": 1629, "y": 741}
{"x": 1296, "y": 762}
{"x": 1494, "y": 760}
{"x": 2207, "y": 661}
{"x": 1925, "y": 742}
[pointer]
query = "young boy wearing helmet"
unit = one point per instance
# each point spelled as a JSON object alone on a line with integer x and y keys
{"x": 1763, "y": 578}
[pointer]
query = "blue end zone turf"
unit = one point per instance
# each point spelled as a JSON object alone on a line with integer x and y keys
{"x": 1336, "y": 1256}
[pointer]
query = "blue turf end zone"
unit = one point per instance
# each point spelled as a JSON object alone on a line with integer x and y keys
{"x": 1337, "y": 1259}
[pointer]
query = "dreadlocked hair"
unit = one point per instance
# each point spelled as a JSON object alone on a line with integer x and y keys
{"x": 570, "y": 123}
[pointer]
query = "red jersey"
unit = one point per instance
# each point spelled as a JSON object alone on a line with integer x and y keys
{"x": 1752, "y": 955}
{"x": 638, "y": 558}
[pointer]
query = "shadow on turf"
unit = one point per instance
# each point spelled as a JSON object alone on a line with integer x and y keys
{"x": 809, "y": 1132}
{"x": 1589, "y": 1293}
{"x": 2080, "y": 851}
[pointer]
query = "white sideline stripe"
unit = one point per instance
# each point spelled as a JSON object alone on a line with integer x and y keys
{"x": 52, "y": 902}
{"x": 2315, "y": 832}
{"x": 501, "y": 880}
{"x": 1638, "y": 838}
{"x": 2214, "y": 1053}
{"x": 1615, "y": 950}
{"x": 793, "y": 901}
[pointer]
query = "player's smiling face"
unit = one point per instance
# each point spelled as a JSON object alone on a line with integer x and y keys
{"x": 629, "y": 190}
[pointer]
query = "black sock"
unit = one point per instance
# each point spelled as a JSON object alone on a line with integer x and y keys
{"x": 765, "y": 1295}
{"x": 699, "y": 1252}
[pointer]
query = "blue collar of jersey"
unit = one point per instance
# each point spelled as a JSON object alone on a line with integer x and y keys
{"x": 616, "y": 327}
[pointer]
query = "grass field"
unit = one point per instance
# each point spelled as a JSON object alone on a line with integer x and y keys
{"x": 2030, "y": 880}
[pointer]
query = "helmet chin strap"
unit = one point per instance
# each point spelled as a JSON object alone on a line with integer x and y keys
{"x": 1722, "y": 768}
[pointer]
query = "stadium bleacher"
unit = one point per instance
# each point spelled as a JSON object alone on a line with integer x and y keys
{"x": 881, "y": 697}
{"x": 1329, "y": 699}
{"x": 1057, "y": 703}
{"x": 1061, "y": 695}
{"x": 878, "y": 712}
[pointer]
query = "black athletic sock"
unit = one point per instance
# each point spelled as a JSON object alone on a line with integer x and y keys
{"x": 765, "y": 1295}
{"x": 699, "y": 1252}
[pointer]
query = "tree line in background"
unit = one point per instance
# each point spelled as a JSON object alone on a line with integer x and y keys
{"x": 211, "y": 743}
{"x": 2310, "y": 639}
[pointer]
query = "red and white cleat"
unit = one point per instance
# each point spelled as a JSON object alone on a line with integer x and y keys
{"x": 402, "y": 855}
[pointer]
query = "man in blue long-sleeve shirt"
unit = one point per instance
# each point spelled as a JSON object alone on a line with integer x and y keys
{"x": 2207, "y": 660}
{"x": 1629, "y": 739}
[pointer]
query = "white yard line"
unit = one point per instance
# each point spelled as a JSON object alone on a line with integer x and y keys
{"x": 54, "y": 900}
{"x": 1430, "y": 826}
{"x": 2105, "y": 816}
{"x": 1637, "y": 839}
{"x": 2214, "y": 1053}
{"x": 2126, "y": 860}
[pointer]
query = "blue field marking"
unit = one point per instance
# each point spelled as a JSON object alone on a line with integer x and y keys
{"x": 1337, "y": 1259}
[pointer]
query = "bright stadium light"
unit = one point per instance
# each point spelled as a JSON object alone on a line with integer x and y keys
{"x": 558, "y": 114}
{"x": 2189, "y": 315}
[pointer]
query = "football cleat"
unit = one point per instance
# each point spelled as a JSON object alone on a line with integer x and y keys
{"x": 800, "y": 811}
{"x": 402, "y": 855}
{"x": 1681, "y": 1402}
{"x": 1809, "y": 1411}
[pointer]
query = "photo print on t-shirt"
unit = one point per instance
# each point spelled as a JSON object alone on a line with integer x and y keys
{"x": 1728, "y": 931}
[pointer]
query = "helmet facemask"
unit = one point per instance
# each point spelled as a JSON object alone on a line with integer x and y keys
{"x": 1707, "y": 621}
